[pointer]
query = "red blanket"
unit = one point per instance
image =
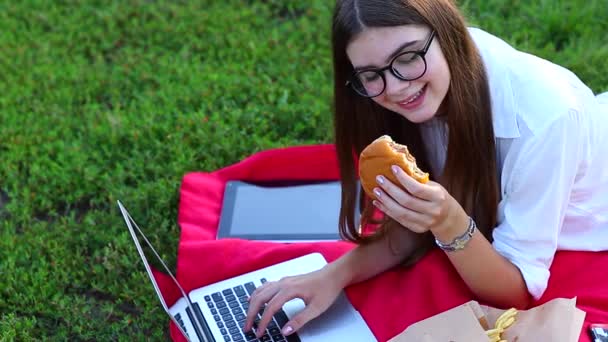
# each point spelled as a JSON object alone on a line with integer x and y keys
{"x": 389, "y": 302}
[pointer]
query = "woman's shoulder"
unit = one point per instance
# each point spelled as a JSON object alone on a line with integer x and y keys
{"x": 534, "y": 89}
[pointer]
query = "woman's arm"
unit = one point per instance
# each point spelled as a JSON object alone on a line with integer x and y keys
{"x": 365, "y": 261}
{"x": 429, "y": 207}
{"x": 488, "y": 274}
{"x": 534, "y": 205}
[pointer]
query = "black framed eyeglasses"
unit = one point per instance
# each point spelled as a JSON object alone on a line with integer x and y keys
{"x": 406, "y": 66}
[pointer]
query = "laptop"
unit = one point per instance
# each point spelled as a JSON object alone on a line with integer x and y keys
{"x": 216, "y": 312}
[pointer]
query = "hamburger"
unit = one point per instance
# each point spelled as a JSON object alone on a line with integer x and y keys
{"x": 377, "y": 159}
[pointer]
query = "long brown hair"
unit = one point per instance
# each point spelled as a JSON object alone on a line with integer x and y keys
{"x": 470, "y": 173}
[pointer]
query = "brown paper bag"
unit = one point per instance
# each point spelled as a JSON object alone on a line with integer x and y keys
{"x": 558, "y": 321}
{"x": 459, "y": 324}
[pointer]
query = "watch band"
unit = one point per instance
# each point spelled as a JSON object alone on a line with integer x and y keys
{"x": 460, "y": 241}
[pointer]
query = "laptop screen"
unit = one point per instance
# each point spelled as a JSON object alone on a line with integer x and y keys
{"x": 136, "y": 234}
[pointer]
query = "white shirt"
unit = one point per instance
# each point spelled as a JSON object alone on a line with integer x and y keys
{"x": 552, "y": 155}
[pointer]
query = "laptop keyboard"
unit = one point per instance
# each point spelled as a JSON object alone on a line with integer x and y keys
{"x": 229, "y": 308}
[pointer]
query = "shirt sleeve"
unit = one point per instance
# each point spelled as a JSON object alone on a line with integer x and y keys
{"x": 538, "y": 176}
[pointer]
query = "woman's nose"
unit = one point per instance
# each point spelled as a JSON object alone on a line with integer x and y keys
{"x": 395, "y": 86}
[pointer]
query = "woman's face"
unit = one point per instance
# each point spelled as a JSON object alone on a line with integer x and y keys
{"x": 417, "y": 100}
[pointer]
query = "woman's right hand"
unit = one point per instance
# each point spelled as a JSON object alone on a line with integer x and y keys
{"x": 317, "y": 289}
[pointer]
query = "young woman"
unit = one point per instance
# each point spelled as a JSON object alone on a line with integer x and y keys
{"x": 516, "y": 147}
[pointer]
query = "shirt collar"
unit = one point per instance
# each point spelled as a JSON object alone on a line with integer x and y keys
{"x": 494, "y": 52}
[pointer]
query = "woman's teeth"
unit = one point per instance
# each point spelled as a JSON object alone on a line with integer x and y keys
{"x": 415, "y": 97}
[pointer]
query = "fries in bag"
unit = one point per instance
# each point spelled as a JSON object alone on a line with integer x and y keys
{"x": 558, "y": 320}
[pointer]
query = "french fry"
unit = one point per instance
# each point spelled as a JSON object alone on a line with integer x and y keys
{"x": 502, "y": 323}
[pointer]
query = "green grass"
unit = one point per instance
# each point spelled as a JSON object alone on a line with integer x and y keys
{"x": 105, "y": 100}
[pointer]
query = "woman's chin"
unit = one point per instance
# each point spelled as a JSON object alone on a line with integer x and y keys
{"x": 419, "y": 116}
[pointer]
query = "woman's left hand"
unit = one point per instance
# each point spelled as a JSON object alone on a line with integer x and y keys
{"x": 420, "y": 207}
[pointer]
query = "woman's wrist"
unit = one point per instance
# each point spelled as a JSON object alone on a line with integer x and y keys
{"x": 452, "y": 229}
{"x": 339, "y": 272}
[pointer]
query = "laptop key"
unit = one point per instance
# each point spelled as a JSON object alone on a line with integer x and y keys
{"x": 265, "y": 338}
{"x": 274, "y": 331}
{"x": 224, "y": 331}
{"x": 217, "y": 318}
{"x": 207, "y": 298}
{"x": 229, "y": 321}
{"x": 281, "y": 318}
{"x": 210, "y": 305}
{"x": 213, "y": 312}
{"x": 250, "y": 336}
{"x": 224, "y": 311}
{"x": 227, "y": 292}
{"x": 250, "y": 287}
{"x": 234, "y": 330}
{"x": 293, "y": 338}
{"x": 217, "y": 297}
{"x": 230, "y": 298}
{"x": 278, "y": 338}
{"x": 239, "y": 290}
{"x": 226, "y": 338}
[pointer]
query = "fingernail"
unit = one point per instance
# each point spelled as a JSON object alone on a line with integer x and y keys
{"x": 395, "y": 169}
{"x": 287, "y": 330}
{"x": 380, "y": 179}
{"x": 377, "y": 192}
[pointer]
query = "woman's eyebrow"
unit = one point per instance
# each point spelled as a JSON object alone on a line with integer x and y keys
{"x": 391, "y": 56}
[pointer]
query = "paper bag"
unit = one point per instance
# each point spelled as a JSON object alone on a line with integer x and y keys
{"x": 558, "y": 321}
{"x": 457, "y": 324}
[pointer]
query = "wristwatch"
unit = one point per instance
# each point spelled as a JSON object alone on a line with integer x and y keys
{"x": 460, "y": 241}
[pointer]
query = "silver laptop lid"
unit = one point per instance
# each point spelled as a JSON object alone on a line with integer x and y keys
{"x": 133, "y": 227}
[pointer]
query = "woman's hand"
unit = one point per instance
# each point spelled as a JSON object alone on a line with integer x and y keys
{"x": 317, "y": 289}
{"x": 420, "y": 207}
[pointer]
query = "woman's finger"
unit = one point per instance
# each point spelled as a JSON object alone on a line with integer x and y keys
{"x": 402, "y": 197}
{"x": 407, "y": 217}
{"x": 417, "y": 189}
{"x": 258, "y": 299}
{"x": 273, "y": 306}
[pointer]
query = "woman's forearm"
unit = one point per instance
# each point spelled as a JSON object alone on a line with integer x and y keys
{"x": 489, "y": 275}
{"x": 366, "y": 261}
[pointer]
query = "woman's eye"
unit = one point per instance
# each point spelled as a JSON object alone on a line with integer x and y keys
{"x": 407, "y": 59}
{"x": 369, "y": 77}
